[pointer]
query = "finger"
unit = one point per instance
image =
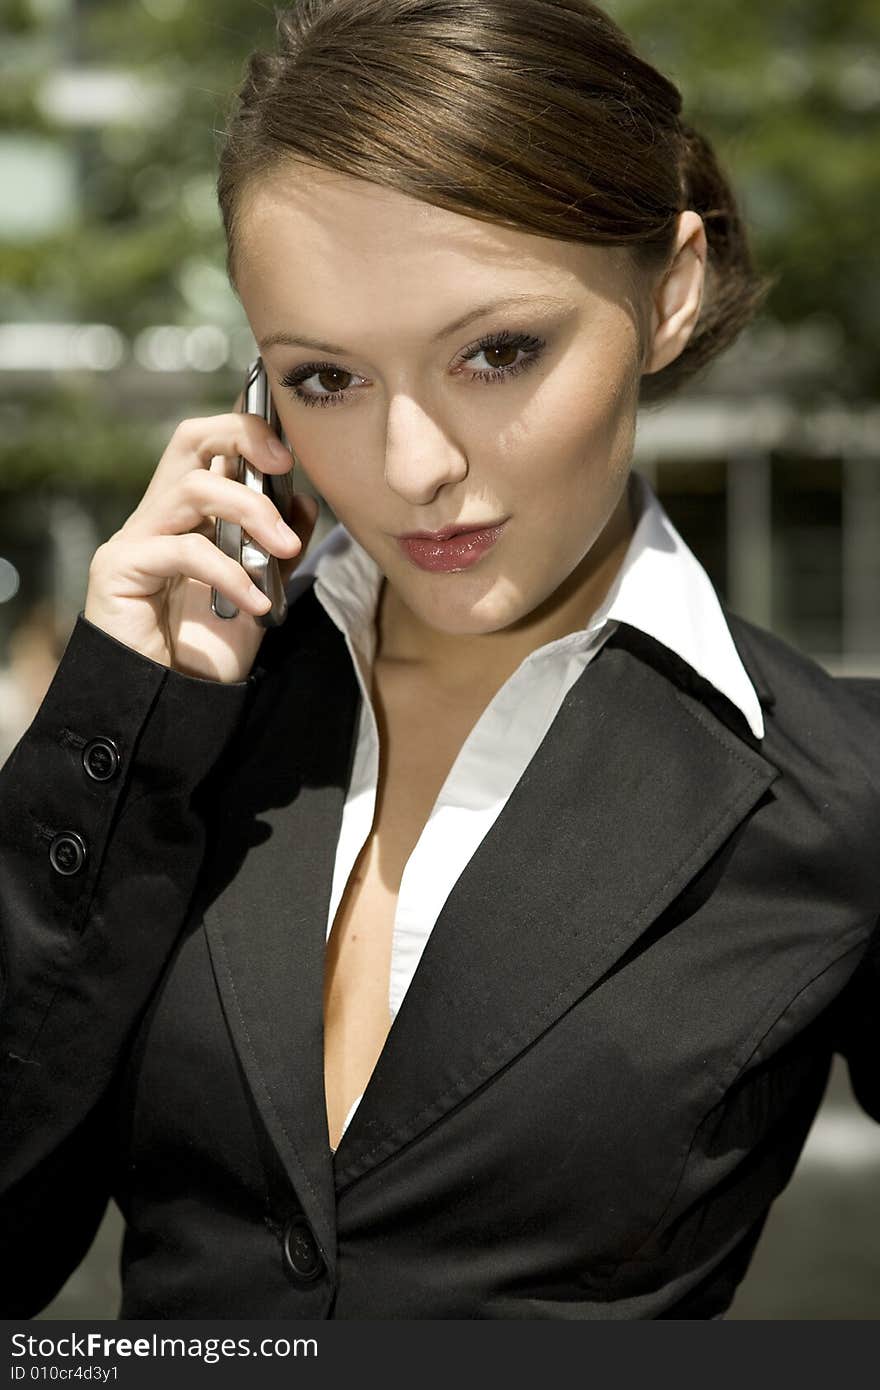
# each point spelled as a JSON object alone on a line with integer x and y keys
{"x": 304, "y": 512}
{"x": 198, "y": 498}
{"x": 196, "y": 442}
{"x": 226, "y": 464}
{"x": 221, "y": 464}
{"x": 156, "y": 559}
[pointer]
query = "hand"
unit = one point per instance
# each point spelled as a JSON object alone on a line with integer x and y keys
{"x": 150, "y": 583}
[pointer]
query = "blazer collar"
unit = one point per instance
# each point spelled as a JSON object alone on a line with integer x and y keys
{"x": 638, "y": 781}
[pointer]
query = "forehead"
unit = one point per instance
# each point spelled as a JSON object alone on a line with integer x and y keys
{"x": 314, "y": 228}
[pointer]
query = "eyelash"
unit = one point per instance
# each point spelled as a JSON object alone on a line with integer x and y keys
{"x": 534, "y": 347}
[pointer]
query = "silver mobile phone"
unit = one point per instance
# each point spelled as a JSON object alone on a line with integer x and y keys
{"x": 261, "y": 567}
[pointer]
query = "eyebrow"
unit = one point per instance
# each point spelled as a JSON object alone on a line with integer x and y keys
{"x": 292, "y": 340}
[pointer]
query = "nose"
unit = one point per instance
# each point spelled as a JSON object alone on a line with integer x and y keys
{"x": 420, "y": 456}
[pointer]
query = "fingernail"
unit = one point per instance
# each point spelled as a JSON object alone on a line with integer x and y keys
{"x": 284, "y": 531}
{"x": 279, "y": 450}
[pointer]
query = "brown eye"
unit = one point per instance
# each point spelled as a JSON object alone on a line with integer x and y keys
{"x": 329, "y": 378}
{"x": 507, "y": 354}
{"x": 510, "y": 352}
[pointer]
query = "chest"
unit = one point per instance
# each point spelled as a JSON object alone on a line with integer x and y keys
{"x": 420, "y": 739}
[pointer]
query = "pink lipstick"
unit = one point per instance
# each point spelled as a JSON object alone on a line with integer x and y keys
{"x": 442, "y": 551}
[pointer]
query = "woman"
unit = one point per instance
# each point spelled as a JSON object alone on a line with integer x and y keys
{"x": 475, "y": 943}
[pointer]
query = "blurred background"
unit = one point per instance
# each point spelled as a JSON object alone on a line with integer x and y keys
{"x": 117, "y": 322}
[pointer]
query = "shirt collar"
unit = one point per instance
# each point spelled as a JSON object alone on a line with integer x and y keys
{"x": 661, "y": 588}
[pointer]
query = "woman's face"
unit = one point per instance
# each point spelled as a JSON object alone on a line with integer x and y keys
{"x": 406, "y": 419}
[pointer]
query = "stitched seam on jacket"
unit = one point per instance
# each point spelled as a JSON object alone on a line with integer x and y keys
{"x": 723, "y": 1086}
{"x": 696, "y": 711}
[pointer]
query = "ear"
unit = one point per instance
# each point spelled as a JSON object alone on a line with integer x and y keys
{"x": 677, "y": 297}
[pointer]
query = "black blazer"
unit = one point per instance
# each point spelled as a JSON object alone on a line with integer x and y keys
{"x": 602, "y": 1073}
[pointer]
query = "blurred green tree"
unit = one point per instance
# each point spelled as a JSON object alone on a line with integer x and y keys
{"x": 132, "y": 96}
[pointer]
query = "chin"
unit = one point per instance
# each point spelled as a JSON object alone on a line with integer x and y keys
{"x": 459, "y": 617}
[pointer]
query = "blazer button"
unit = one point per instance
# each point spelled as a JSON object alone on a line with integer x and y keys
{"x": 101, "y": 759}
{"x": 301, "y": 1254}
{"x": 67, "y": 852}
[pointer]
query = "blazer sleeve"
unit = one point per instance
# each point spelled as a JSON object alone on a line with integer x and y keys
{"x": 857, "y": 1036}
{"x": 101, "y": 843}
{"x": 857, "y": 1016}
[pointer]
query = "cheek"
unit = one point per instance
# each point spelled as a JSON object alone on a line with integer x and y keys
{"x": 587, "y": 406}
{"x": 341, "y": 475}
{"x": 575, "y": 448}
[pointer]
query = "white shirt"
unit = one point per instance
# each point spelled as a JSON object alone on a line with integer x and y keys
{"x": 660, "y": 588}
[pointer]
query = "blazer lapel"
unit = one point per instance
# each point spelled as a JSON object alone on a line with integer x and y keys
{"x": 633, "y": 789}
{"x": 269, "y": 883}
{"x": 636, "y": 785}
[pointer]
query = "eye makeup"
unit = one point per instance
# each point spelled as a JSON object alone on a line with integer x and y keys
{"x": 504, "y": 342}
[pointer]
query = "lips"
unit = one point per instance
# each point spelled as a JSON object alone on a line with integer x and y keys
{"x": 449, "y": 531}
{"x": 457, "y": 549}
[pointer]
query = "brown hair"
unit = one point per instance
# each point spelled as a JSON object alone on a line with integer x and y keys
{"x": 535, "y": 114}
